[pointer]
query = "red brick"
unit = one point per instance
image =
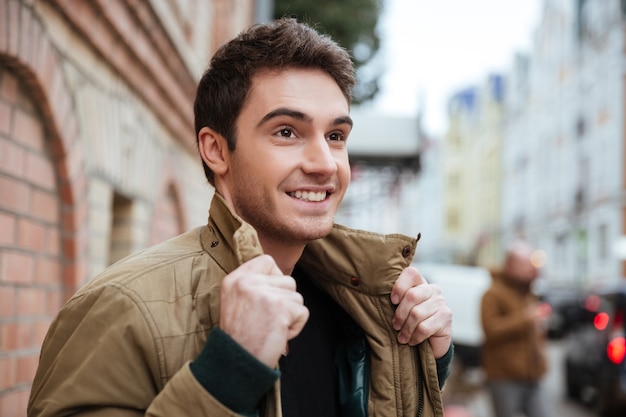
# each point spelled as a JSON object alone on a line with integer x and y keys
{"x": 13, "y": 404}
{"x": 5, "y": 118}
{"x": 28, "y": 129}
{"x": 31, "y": 235}
{"x": 48, "y": 271}
{"x": 26, "y": 368}
{"x": 15, "y": 336}
{"x": 30, "y": 301}
{"x": 45, "y": 206}
{"x": 55, "y": 301}
{"x": 16, "y": 267}
{"x": 69, "y": 246}
{"x": 11, "y": 156}
{"x": 53, "y": 242}
{"x": 39, "y": 171}
{"x": 14, "y": 194}
{"x": 7, "y": 302}
{"x": 8, "y": 370}
{"x": 7, "y": 225}
{"x": 40, "y": 329}
{"x": 75, "y": 276}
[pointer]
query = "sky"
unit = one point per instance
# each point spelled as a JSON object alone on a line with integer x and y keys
{"x": 433, "y": 48}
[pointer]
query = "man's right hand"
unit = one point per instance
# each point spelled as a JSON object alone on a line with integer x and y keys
{"x": 261, "y": 309}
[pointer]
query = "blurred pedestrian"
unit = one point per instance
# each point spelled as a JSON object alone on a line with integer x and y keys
{"x": 515, "y": 331}
{"x": 270, "y": 309}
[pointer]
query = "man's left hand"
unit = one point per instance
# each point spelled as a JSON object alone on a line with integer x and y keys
{"x": 422, "y": 312}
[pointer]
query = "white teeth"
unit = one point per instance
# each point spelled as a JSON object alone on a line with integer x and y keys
{"x": 309, "y": 195}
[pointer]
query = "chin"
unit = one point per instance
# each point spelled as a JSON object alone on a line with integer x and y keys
{"x": 311, "y": 234}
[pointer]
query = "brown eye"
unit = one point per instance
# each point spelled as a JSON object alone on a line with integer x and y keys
{"x": 286, "y": 133}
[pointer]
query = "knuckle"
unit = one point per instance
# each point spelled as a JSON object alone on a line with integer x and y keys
{"x": 413, "y": 295}
{"x": 414, "y": 313}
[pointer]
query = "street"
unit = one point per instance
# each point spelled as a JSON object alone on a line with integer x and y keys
{"x": 464, "y": 395}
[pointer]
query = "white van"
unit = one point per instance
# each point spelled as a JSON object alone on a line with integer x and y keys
{"x": 462, "y": 287}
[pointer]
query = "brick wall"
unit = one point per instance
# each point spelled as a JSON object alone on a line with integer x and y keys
{"x": 31, "y": 258}
{"x": 97, "y": 154}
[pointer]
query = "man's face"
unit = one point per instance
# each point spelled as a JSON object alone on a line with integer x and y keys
{"x": 521, "y": 267}
{"x": 290, "y": 169}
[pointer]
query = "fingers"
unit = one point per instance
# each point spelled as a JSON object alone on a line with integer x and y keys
{"x": 409, "y": 278}
{"x": 407, "y": 292}
{"x": 421, "y": 312}
{"x": 261, "y": 309}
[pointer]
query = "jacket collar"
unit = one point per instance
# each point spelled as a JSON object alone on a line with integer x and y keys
{"x": 370, "y": 262}
{"x": 228, "y": 238}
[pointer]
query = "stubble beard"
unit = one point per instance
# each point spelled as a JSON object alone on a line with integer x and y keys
{"x": 301, "y": 231}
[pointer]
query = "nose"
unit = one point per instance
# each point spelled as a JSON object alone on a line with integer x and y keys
{"x": 319, "y": 158}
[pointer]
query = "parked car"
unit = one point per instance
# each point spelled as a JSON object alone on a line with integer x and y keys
{"x": 463, "y": 287}
{"x": 566, "y": 308}
{"x": 595, "y": 353}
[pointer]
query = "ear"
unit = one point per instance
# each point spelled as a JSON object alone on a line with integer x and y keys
{"x": 213, "y": 150}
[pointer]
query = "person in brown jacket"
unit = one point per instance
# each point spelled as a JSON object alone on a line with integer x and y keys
{"x": 270, "y": 309}
{"x": 514, "y": 329}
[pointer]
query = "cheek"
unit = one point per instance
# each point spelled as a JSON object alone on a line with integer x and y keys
{"x": 343, "y": 169}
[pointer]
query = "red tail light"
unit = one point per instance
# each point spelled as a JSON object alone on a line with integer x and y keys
{"x": 601, "y": 320}
{"x": 616, "y": 350}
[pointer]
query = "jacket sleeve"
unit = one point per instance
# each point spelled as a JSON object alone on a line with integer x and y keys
{"x": 100, "y": 359}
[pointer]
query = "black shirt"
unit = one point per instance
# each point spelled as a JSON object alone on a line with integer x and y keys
{"x": 309, "y": 384}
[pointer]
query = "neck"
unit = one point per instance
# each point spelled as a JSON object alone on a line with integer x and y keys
{"x": 285, "y": 255}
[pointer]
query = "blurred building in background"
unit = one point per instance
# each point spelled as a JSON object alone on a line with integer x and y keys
{"x": 471, "y": 173}
{"x": 564, "y": 171}
{"x": 542, "y": 155}
{"x": 97, "y": 148}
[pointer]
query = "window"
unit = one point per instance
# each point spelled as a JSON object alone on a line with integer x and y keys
{"x": 121, "y": 243}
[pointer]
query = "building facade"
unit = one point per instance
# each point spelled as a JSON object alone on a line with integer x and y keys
{"x": 471, "y": 173}
{"x": 97, "y": 148}
{"x": 564, "y": 142}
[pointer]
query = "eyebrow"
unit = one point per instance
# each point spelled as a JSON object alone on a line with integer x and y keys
{"x": 283, "y": 111}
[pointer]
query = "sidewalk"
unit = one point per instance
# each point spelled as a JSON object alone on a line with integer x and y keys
{"x": 464, "y": 395}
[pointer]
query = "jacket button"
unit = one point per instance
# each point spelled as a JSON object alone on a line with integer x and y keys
{"x": 214, "y": 243}
{"x": 354, "y": 281}
{"x": 406, "y": 251}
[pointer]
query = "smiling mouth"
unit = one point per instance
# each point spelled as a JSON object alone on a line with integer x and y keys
{"x": 308, "y": 195}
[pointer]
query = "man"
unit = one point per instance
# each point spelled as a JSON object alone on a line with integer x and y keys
{"x": 270, "y": 309}
{"x": 514, "y": 328}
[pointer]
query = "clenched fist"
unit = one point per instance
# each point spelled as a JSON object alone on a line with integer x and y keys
{"x": 261, "y": 309}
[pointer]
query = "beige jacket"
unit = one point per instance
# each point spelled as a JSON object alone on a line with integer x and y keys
{"x": 122, "y": 345}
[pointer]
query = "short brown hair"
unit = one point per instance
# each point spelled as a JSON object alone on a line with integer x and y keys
{"x": 285, "y": 43}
